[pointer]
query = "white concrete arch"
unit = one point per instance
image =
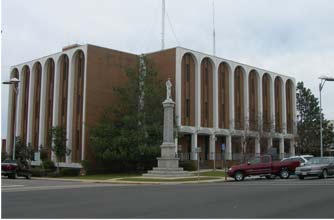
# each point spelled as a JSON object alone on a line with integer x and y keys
{"x": 241, "y": 119}
{"x": 71, "y": 81}
{"x": 44, "y": 132}
{"x": 221, "y": 114}
{"x": 179, "y": 87}
{"x": 211, "y": 75}
{"x": 279, "y": 103}
{"x": 254, "y": 115}
{"x": 37, "y": 66}
{"x": 25, "y": 75}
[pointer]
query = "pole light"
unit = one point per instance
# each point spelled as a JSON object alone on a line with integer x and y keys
{"x": 13, "y": 81}
{"x": 323, "y": 79}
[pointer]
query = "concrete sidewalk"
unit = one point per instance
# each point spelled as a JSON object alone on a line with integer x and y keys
{"x": 120, "y": 181}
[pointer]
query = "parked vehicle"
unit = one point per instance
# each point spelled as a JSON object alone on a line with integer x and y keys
{"x": 317, "y": 166}
{"x": 15, "y": 168}
{"x": 301, "y": 158}
{"x": 263, "y": 165}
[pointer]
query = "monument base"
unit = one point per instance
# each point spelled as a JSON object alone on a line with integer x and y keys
{"x": 168, "y": 164}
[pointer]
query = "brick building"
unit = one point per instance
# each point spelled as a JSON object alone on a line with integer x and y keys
{"x": 218, "y": 101}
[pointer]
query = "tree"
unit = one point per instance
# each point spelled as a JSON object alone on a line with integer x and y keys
{"x": 308, "y": 123}
{"x": 58, "y": 135}
{"x": 23, "y": 152}
{"x": 130, "y": 131}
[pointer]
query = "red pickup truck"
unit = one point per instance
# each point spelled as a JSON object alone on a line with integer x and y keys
{"x": 263, "y": 165}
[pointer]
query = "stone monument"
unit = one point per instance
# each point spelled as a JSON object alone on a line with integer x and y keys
{"x": 168, "y": 163}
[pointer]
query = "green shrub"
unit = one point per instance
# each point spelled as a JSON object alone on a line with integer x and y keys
{"x": 38, "y": 172}
{"x": 53, "y": 174}
{"x": 188, "y": 165}
{"x": 69, "y": 172}
{"x": 48, "y": 165}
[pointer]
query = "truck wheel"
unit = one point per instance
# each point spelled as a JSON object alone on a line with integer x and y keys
{"x": 284, "y": 173}
{"x": 239, "y": 176}
{"x": 13, "y": 176}
{"x": 28, "y": 177}
{"x": 324, "y": 174}
{"x": 301, "y": 177}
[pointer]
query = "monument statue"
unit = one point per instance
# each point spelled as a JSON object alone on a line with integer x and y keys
{"x": 169, "y": 89}
{"x": 168, "y": 163}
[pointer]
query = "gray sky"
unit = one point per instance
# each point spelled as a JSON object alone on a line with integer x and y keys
{"x": 295, "y": 38}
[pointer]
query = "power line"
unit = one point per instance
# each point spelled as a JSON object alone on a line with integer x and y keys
{"x": 171, "y": 26}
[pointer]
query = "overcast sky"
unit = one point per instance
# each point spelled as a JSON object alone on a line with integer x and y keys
{"x": 294, "y": 38}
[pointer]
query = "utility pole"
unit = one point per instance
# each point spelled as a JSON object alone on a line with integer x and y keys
{"x": 214, "y": 31}
{"x": 163, "y": 26}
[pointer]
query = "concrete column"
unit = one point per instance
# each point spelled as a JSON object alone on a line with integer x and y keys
{"x": 83, "y": 123}
{"x": 43, "y": 103}
{"x": 193, "y": 155}
{"x": 272, "y": 106}
{"x": 292, "y": 147}
{"x": 246, "y": 101}
{"x": 270, "y": 143}
{"x": 215, "y": 96}
{"x": 31, "y": 106}
{"x": 212, "y": 147}
{"x": 294, "y": 115}
{"x": 257, "y": 146}
{"x": 55, "y": 114}
{"x": 70, "y": 102}
{"x": 11, "y": 115}
{"x": 260, "y": 105}
{"x": 231, "y": 101}
{"x": 284, "y": 124}
{"x": 168, "y": 135}
{"x": 281, "y": 148}
{"x": 228, "y": 150}
{"x": 198, "y": 95}
{"x": 178, "y": 87}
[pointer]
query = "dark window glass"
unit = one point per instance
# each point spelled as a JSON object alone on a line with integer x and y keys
{"x": 188, "y": 72}
{"x": 187, "y": 108}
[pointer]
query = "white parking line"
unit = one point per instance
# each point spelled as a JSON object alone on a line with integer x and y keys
{"x": 9, "y": 186}
{"x": 37, "y": 188}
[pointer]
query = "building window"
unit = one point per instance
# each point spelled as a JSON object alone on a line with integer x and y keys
{"x": 188, "y": 108}
{"x": 188, "y": 72}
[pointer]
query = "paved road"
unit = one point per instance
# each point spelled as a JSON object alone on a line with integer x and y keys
{"x": 291, "y": 198}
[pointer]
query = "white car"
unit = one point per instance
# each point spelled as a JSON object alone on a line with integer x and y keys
{"x": 301, "y": 158}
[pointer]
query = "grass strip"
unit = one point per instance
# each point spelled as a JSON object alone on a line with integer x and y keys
{"x": 213, "y": 173}
{"x": 101, "y": 176}
{"x": 139, "y": 179}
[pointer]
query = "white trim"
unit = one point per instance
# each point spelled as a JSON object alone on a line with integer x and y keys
{"x": 30, "y": 104}
{"x": 70, "y": 93}
{"x": 178, "y": 86}
{"x": 84, "y": 104}
{"x": 43, "y": 101}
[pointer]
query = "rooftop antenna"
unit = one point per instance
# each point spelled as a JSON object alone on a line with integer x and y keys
{"x": 214, "y": 31}
{"x": 163, "y": 26}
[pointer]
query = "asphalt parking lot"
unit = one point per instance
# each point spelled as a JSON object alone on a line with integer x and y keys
{"x": 253, "y": 198}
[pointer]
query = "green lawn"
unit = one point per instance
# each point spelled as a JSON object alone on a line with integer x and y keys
{"x": 213, "y": 173}
{"x": 102, "y": 176}
{"x": 139, "y": 179}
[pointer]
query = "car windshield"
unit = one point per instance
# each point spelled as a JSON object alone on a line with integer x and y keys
{"x": 317, "y": 160}
{"x": 308, "y": 158}
{"x": 294, "y": 159}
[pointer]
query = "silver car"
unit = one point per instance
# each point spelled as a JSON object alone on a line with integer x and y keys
{"x": 316, "y": 166}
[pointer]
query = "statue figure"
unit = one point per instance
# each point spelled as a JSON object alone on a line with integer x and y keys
{"x": 169, "y": 89}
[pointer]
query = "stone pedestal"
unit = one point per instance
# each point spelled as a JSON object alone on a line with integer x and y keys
{"x": 168, "y": 163}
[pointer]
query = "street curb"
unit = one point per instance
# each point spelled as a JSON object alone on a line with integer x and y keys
{"x": 119, "y": 181}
